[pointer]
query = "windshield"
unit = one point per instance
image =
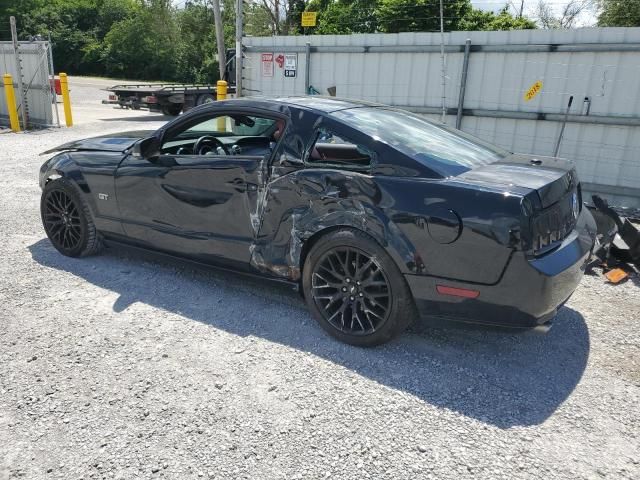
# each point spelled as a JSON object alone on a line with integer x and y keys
{"x": 445, "y": 150}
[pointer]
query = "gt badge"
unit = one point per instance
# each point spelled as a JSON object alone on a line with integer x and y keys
{"x": 103, "y": 196}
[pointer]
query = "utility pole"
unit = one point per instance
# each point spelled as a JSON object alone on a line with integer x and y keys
{"x": 444, "y": 102}
{"x": 222, "y": 57}
{"x": 23, "y": 103}
{"x": 521, "y": 8}
{"x": 239, "y": 48}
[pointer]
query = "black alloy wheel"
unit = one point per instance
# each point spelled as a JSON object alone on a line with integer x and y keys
{"x": 355, "y": 290}
{"x": 62, "y": 220}
{"x": 351, "y": 290}
{"x": 67, "y": 220}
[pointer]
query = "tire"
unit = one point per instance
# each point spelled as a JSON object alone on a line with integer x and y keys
{"x": 172, "y": 109}
{"x": 67, "y": 220}
{"x": 205, "y": 98}
{"x": 375, "y": 309}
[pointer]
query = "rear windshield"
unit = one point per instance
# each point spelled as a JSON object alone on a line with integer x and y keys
{"x": 444, "y": 149}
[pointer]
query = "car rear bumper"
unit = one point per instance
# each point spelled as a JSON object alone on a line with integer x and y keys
{"x": 528, "y": 294}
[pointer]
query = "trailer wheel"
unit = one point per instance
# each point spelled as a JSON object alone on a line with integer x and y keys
{"x": 205, "y": 98}
{"x": 172, "y": 109}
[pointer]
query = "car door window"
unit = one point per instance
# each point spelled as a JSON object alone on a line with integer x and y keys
{"x": 228, "y": 134}
{"x": 331, "y": 149}
{"x": 239, "y": 125}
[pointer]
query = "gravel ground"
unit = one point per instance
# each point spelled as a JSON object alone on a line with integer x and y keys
{"x": 118, "y": 366}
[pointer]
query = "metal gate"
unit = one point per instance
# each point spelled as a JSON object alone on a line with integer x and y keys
{"x": 29, "y": 65}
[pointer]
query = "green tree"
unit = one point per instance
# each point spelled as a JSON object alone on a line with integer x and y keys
{"x": 420, "y": 15}
{"x": 112, "y": 11}
{"x": 17, "y": 9}
{"x": 71, "y": 25}
{"x": 144, "y": 45}
{"x": 109, "y": 12}
{"x": 478, "y": 19}
{"x": 619, "y": 13}
{"x": 293, "y": 19}
{"x": 77, "y": 28}
{"x": 257, "y": 21}
{"x": 344, "y": 16}
{"x": 195, "y": 58}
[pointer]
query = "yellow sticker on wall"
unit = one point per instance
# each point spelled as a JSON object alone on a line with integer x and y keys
{"x": 533, "y": 91}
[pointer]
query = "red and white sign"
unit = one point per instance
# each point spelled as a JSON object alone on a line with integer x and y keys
{"x": 267, "y": 64}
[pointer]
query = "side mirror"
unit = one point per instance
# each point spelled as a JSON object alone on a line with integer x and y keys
{"x": 148, "y": 148}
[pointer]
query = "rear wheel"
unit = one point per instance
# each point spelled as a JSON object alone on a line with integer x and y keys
{"x": 67, "y": 220}
{"x": 205, "y": 98}
{"x": 172, "y": 109}
{"x": 355, "y": 290}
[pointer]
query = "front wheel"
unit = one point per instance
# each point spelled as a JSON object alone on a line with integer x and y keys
{"x": 67, "y": 220}
{"x": 355, "y": 290}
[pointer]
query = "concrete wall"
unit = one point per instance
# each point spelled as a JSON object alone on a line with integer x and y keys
{"x": 404, "y": 69}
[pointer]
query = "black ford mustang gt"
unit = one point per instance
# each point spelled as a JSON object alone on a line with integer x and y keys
{"x": 375, "y": 212}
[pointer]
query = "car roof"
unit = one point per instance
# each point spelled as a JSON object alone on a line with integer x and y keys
{"x": 317, "y": 103}
{"x": 326, "y": 104}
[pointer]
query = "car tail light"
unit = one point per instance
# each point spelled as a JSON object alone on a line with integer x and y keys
{"x": 113, "y": 97}
{"x": 552, "y": 225}
{"x": 150, "y": 99}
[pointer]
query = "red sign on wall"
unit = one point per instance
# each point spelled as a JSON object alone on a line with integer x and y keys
{"x": 267, "y": 64}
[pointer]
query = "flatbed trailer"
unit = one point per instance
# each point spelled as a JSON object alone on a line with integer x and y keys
{"x": 168, "y": 98}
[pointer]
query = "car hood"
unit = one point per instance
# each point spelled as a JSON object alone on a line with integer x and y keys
{"x": 116, "y": 142}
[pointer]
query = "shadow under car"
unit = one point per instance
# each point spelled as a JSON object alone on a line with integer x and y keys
{"x": 500, "y": 377}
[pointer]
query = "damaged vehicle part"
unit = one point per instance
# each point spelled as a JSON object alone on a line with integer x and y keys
{"x": 377, "y": 213}
{"x": 620, "y": 237}
{"x": 606, "y": 232}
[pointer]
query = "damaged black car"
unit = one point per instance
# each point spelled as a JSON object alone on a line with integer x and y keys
{"x": 377, "y": 215}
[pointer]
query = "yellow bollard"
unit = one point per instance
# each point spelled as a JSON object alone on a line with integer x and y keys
{"x": 221, "y": 91}
{"x": 66, "y": 101}
{"x": 10, "y": 95}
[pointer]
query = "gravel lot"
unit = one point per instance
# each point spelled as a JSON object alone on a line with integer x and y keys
{"x": 119, "y": 366}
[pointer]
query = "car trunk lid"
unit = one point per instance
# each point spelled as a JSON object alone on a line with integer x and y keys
{"x": 551, "y": 178}
{"x": 552, "y": 199}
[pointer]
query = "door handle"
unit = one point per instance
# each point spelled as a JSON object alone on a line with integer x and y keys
{"x": 240, "y": 185}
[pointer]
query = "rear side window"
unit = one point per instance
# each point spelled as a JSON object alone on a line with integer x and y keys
{"x": 331, "y": 149}
{"x": 448, "y": 151}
